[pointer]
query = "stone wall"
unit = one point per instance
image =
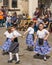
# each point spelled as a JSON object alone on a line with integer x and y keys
{"x": 1, "y": 4}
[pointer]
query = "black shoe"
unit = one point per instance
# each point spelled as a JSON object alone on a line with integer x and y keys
{"x": 17, "y": 62}
{"x": 38, "y": 54}
{"x": 10, "y": 61}
{"x": 30, "y": 48}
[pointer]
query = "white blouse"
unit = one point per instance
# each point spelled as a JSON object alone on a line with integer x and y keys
{"x": 8, "y": 19}
{"x": 16, "y": 33}
{"x": 42, "y": 34}
{"x": 30, "y": 30}
{"x": 8, "y": 35}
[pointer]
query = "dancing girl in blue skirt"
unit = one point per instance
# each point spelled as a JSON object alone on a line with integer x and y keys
{"x": 5, "y": 47}
{"x": 42, "y": 47}
{"x": 30, "y": 36}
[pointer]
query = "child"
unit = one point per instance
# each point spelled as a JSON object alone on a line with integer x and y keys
{"x": 8, "y": 41}
{"x": 30, "y": 36}
{"x": 14, "y": 48}
{"x": 8, "y": 20}
{"x": 42, "y": 47}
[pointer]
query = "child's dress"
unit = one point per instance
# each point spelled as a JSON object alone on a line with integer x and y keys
{"x": 30, "y": 37}
{"x": 8, "y": 41}
{"x": 14, "y": 48}
{"x": 44, "y": 48}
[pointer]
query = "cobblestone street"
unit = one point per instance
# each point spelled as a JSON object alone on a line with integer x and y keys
{"x": 26, "y": 57}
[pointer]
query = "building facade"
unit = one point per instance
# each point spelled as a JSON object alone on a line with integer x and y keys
{"x": 23, "y": 6}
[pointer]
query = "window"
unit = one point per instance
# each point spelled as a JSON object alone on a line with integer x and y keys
{"x": 26, "y": 0}
{"x": 0, "y": 1}
{"x": 6, "y": 3}
{"x": 14, "y": 3}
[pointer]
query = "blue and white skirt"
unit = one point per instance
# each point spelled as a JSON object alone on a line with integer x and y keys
{"x": 42, "y": 49}
{"x": 30, "y": 40}
{"x": 6, "y": 45}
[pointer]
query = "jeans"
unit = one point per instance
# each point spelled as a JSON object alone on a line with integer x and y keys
{"x": 8, "y": 24}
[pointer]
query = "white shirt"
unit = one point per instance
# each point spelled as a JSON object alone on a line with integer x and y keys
{"x": 16, "y": 33}
{"x": 30, "y": 30}
{"x": 8, "y": 35}
{"x": 42, "y": 34}
{"x": 40, "y": 20}
{"x": 8, "y": 19}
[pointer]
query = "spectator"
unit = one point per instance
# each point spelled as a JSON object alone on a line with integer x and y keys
{"x": 37, "y": 13}
{"x": 48, "y": 12}
{"x": 1, "y": 17}
{"x": 14, "y": 18}
{"x": 40, "y": 20}
{"x": 4, "y": 12}
{"x": 46, "y": 21}
{"x": 8, "y": 20}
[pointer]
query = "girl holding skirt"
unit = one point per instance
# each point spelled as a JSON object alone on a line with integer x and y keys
{"x": 42, "y": 47}
{"x": 14, "y": 48}
{"x": 30, "y": 36}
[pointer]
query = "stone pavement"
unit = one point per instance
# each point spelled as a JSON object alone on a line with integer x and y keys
{"x": 26, "y": 57}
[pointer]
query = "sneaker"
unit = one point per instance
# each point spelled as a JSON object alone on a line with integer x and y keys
{"x": 17, "y": 62}
{"x": 38, "y": 54}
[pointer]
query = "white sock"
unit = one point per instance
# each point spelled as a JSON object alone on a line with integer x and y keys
{"x": 10, "y": 56}
{"x": 17, "y": 56}
{"x": 44, "y": 57}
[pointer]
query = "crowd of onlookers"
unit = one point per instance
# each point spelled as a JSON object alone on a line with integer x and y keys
{"x": 22, "y": 21}
{"x": 40, "y": 17}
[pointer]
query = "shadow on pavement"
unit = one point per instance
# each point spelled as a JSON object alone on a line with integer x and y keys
{"x": 40, "y": 57}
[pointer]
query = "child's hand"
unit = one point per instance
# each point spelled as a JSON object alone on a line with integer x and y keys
{"x": 34, "y": 41}
{"x": 22, "y": 36}
{"x": 11, "y": 39}
{"x": 24, "y": 33}
{"x": 45, "y": 38}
